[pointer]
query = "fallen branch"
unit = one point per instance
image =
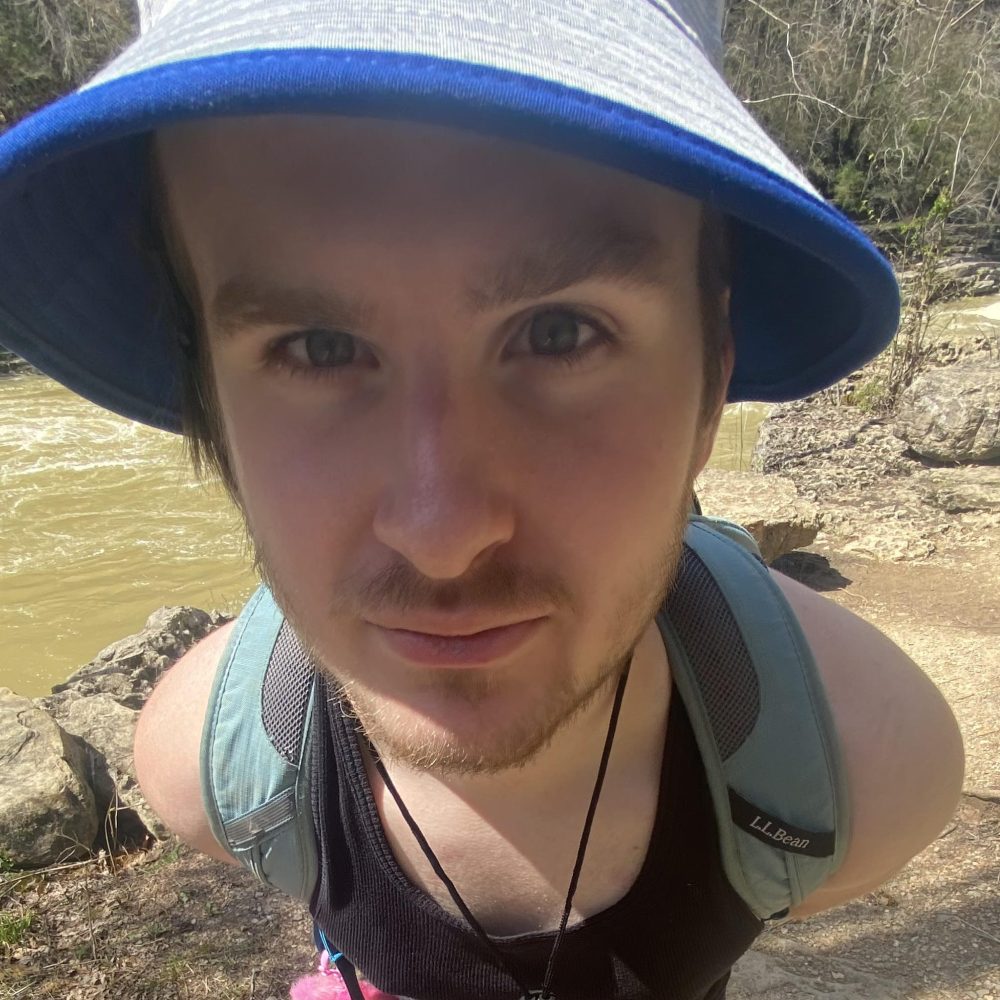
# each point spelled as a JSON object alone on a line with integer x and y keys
{"x": 9, "y": 878}
{"x": 983, "y": 794}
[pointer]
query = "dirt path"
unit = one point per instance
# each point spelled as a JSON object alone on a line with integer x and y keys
{"x": 169, "y": 925}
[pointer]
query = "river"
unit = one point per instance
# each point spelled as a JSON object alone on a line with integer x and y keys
{"x": 101, "y": 522}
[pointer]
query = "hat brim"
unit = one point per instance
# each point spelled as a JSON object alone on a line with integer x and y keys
{"x": 812, "y": 298}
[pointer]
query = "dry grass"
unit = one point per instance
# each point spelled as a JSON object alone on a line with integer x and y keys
{"x": 167, "y": 925}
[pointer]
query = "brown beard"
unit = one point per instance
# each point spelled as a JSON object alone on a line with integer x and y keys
{"x": 517, "y": 746}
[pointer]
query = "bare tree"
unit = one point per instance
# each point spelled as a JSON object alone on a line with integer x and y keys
{"x": 887, "y": 102}
{"x": 48, "y": 47}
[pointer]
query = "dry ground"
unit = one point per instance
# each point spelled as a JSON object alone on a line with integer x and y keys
{"x": 168, "y": 925}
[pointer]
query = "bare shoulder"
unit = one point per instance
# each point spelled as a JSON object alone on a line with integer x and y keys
{"x": 902, "y": 747}
{"x": 168, "y": 743}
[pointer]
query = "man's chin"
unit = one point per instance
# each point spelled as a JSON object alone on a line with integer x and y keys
{"x": 448, "y": 734}
{"x": 453, "y": 753}
{"x": 468, "y": 724}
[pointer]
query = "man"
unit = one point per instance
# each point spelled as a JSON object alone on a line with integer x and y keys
{"x": 458, "y": 347}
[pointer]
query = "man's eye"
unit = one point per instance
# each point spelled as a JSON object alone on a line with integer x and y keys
{"x": 561, "y": 333}
{"x": 322, "y": 348}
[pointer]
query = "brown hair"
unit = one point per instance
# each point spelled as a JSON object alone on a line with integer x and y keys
{"x": 181, "y": 310}
{"x": 714, "y": 282}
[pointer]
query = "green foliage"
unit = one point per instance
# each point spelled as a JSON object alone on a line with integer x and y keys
{"x": 849, "y": 187}
{"x": 919, "y": 256}
{"x": 942, "y": 207}
{"x": 14, "y": 928}
{"x": 170, "y": 856}
{"x": 870, "y": 394}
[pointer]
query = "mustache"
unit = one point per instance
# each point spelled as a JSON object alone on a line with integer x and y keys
{"x": 496, "y": 586}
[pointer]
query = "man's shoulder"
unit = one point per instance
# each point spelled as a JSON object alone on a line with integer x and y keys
{"x": 901, "y": 746}
{"x": 204, "y": 656}
{"x": 168, "y": 742}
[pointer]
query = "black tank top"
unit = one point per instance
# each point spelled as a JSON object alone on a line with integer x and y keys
{"x": 675, "y": 935}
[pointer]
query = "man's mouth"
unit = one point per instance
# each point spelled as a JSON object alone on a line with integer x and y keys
{"x": 455, "y": 641}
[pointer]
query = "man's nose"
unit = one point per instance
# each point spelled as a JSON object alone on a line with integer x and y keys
{"x": 444, "y": 504}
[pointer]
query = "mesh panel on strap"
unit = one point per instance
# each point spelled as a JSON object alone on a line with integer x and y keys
{"x": 718, "y": 654}
{"x": 285, "y": 693}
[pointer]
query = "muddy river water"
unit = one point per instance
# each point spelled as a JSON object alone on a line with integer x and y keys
{"x": 101, "y": 522}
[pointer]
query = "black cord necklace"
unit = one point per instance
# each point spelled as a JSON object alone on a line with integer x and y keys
{"x": 526, "y": 992}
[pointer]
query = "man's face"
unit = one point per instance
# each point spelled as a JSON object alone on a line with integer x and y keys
{"x": 460, "y": 381}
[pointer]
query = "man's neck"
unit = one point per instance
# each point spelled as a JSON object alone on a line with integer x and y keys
{"x": 529, "y": 820}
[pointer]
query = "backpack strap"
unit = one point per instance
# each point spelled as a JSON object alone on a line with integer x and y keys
{"x": 741, "y": 664}
{"x": 750, "y": 684}
{"x": 255, "y": 751}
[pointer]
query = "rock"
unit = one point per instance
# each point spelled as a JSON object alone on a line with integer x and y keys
{"x": 127, "y": 670}
{"x": 850, "y": 446}
{"x": 769, "y": 507}
{"x": 958, "y": 276}
{"x": 107, "y": 730}
{"x": 47, "y": 808}
{"x": 11, "y": 364}
{"x": 890, "y": 542}
{"x": 953, "y": 414}
{"x": 99, "y": 705}
{"x": 874, "y": 499}
{"x": 947, "y": 350}
{"x": 964, "y": 488}
{"x": 959, "y": 269}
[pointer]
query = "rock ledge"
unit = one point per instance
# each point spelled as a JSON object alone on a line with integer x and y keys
{"x": 67, "y": 780}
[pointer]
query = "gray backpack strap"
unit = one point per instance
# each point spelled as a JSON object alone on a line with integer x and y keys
{"x": 255, "y": 751}
{"x": 760, "y": 716}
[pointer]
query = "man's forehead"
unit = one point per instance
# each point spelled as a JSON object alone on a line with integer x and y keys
{"x": 510, "y": 222}
{"x": 333, "y": 165}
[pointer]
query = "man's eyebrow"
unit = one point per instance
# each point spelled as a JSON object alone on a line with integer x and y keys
{"x": 610, "y": 250}
{"x": 247, "y": 300}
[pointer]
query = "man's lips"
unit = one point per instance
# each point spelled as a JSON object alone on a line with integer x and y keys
{"x": 454, "y": 644}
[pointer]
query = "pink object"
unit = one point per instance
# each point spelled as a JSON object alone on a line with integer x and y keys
{"x": 327, "y": 984}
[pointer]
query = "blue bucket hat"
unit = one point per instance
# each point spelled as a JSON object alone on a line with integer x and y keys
{"x": 632, "y": 84}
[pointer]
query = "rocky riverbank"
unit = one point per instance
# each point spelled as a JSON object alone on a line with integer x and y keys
{"x": 67, "y": 787}
{"x": 874, "y": 495}
{"x": 899, "y": 487}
